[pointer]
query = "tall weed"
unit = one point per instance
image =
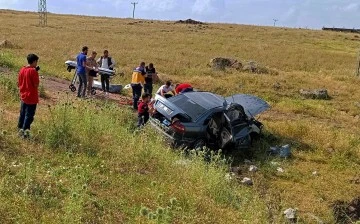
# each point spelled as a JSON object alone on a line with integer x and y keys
{"x": 9, "y": 84}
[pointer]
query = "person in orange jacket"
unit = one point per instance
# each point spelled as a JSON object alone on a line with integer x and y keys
{"x": 137, "y": 83}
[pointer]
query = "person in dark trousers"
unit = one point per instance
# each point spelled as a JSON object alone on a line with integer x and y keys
{"x": 137, "y": 82}
{"x": 151, "y": 76}
{"x": 28, "y": 83}
{"x": 143, "y": 110}
{"x": 106, "y": 62}
{"x": 81, "y": 71}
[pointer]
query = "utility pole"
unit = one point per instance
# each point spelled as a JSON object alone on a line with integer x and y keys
{"x": 275, "y": 20}
{"x": 358, "y": 66}
{"x": 42, "y": 13}
{"x": 134, "y": 3}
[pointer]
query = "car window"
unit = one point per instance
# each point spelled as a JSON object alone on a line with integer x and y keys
{"x": 189, "y": 107}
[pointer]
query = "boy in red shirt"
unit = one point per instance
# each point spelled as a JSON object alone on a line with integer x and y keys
{"x": 143, "y": 110}
{"x": 28, "y": 83}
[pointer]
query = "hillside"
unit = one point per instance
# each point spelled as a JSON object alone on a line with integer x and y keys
{"x": 88, "y": 164}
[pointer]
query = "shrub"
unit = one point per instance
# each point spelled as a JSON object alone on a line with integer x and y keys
{"x": 59, "y": 134}
{"x": 9, "y": 83}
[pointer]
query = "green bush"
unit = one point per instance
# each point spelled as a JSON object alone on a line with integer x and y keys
{"x": 59, "y": 134}
{"x": 7, "y": 60}
{"x": 9, "y": 84}
{"x": 42, "y": 92}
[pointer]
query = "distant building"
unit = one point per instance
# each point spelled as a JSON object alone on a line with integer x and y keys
{"x": 345, "y": 30}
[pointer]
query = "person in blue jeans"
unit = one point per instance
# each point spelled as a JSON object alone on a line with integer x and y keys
{"x": 28, "y": 83}
{"x": 81, "y": 72}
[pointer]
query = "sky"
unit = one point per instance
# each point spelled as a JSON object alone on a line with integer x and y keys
{"x": 289, "y": 13}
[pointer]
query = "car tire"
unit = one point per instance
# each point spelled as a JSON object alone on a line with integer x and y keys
{"x": 199, "y": 144}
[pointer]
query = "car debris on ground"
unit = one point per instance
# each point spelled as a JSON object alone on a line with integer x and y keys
{"x": 229, "y": 176}
{"x": 280, "y": 170}
{"x": 236, "y": 170}
{"x": 247, "y": 181}
{"x": 253, "y": 169}
{"x": 283, "y": 151}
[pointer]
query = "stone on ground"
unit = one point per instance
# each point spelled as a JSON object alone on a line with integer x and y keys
{"x": 320, "y": 94}
{"x": 223, "y": 63}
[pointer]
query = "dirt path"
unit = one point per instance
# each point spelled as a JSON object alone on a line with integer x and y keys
{"x": 55, "y": 86}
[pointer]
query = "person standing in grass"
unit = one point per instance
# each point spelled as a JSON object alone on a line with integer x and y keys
{"x": 143, "y": 110}
{"x": 91, "y": 73}
{"x": 151, "y": 76}
{"x": 28, "y": 83}
{"x": 81, "y": 72}
{"x": 137, "y": 82}
{"x": 108, "y": 63}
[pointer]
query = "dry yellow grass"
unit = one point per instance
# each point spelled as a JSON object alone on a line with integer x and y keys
{"x": 324, "y": 134}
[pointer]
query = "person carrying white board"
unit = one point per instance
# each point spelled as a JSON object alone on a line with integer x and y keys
{"x": 106, "y": 62}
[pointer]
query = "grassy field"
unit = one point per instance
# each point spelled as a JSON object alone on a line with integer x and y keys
{"x": 86, "y": 163}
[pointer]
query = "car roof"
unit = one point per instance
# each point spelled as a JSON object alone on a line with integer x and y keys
{"x": 206, "y": 100}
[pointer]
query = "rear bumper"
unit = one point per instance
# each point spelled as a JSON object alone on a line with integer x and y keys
{"x": 158, "y": 128}
{"x": 173, "y": 140}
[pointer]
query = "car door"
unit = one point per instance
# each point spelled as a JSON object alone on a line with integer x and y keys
{"x": 236, "y": 125}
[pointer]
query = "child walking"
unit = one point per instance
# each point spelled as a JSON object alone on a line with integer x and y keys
{"x": 143, "y": 110}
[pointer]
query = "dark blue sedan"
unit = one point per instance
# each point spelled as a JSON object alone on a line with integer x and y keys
{"x": 198, "y": 119}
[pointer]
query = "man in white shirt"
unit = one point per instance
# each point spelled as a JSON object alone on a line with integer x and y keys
{"x": 164, "y": 90}
{"x": 107, "y": 63}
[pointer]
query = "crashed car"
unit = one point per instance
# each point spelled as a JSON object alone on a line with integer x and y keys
{"x": 198, "y": 119}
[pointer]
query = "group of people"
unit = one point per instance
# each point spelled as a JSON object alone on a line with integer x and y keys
{"x": 88, "y": 68}
{"x": 142, "y": 81}
{"x": 145, "y": 106}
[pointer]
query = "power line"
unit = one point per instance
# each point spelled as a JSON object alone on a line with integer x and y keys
{"x": 275, "y": 20}
{"x": 134, "y": 3}
{"x": 42, "y": 13}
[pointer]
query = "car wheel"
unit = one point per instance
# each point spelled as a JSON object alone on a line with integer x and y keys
{"x": 199, "y": 144}
{"x": 72, "y": 88}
